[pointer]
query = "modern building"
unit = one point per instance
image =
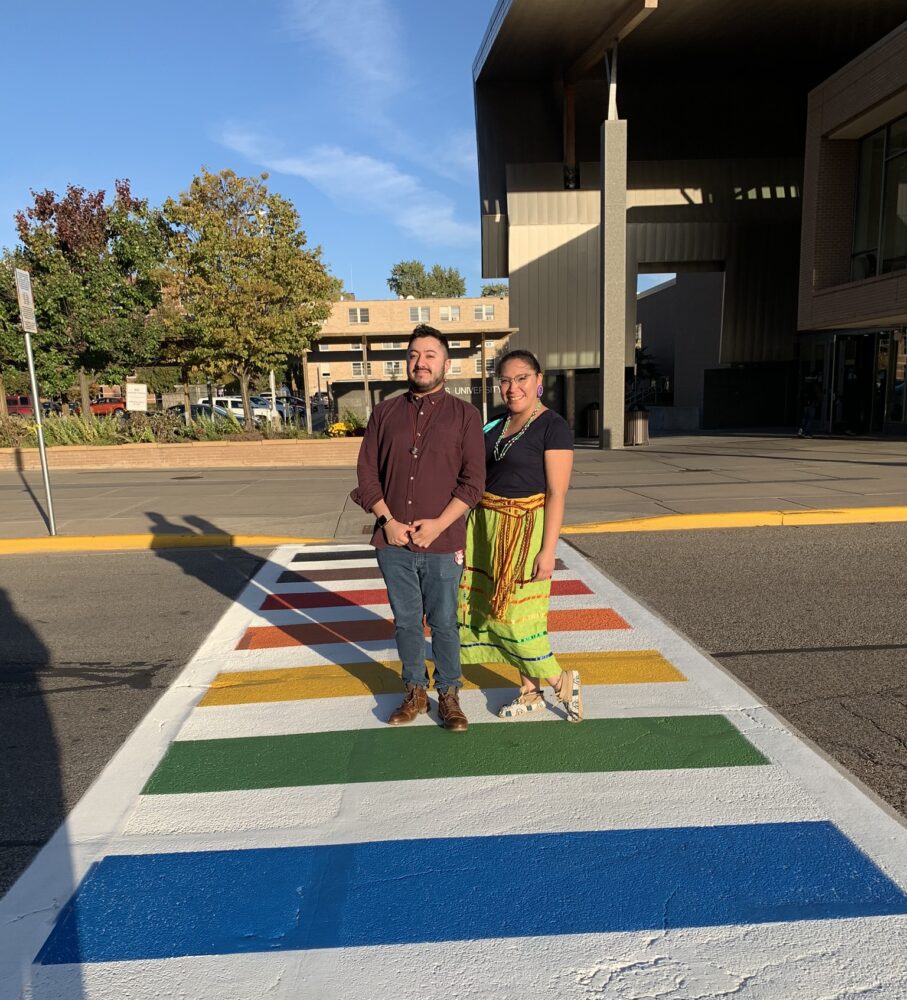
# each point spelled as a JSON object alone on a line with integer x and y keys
{"x": 853, "y": 265}
{"x": 617, "y": 138}
{"x": 360, "y": 356}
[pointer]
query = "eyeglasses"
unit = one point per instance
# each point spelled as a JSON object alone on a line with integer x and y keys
{"x": 519, "y": 380}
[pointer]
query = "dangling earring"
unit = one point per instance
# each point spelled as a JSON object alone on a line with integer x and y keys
{"x": 539, "y": 392}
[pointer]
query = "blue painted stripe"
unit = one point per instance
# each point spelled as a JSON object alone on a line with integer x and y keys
{"x": 465, "y": 888}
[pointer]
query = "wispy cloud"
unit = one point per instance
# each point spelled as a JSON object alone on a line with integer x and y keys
{"x": 365, "y": 45}
{"x": 362, "y": 36}
{"x": 358, "y": 182}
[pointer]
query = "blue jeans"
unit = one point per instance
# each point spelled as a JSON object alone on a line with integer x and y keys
{"x": 424, "y": 583}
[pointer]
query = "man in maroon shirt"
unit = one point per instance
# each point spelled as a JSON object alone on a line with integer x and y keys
{"x": 421, "y": 469}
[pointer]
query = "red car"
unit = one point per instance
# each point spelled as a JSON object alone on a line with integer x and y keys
{"x": 19, "y": 406}
{"x": 105, "y": 407}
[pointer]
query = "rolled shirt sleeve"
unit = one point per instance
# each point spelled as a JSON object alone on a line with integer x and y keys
{"x": 369, "y": 491}
{"x": 471, "y": 480}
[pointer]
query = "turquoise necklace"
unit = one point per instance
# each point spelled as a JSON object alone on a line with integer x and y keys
{"x": 499, "y": 450}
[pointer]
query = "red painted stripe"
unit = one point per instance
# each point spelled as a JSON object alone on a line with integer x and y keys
{"x": 318, "y": 633}
{"x": 358, "y": 598}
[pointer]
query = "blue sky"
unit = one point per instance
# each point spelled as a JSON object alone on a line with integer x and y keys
{"x": 360, "y": 110}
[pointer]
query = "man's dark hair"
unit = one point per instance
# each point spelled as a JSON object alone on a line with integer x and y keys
{"x": 520, "y": 355}
{"x": 424, "y": 330}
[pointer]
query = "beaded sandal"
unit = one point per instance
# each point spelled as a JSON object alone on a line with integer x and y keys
{"x": 528, "y": 701}
{"x": 569, "y": 693}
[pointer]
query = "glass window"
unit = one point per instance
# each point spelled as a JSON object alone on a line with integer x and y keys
{"x": 483, "y": 312}
{"x": 392, "y": 368}
{"x": 456, "y": 368}
{"x": 419, "y": 314}
{"x": 866, "y": 223}
{"x": 489, "y": 366}
{"x": 897, "y": 137}
{"x": 450, "y": 314}
{"x": 359, "y": 315}
{"x": 894, "y": 215}
{"x": 357, "y": 369}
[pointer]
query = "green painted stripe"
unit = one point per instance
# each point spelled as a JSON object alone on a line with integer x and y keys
{"x": 646, "y": 744}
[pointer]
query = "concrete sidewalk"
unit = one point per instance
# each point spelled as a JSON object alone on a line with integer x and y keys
{"x": 673, "y": 475}
{"x": 263, "y": 832}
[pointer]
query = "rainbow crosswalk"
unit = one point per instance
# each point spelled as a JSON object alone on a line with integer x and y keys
{"x": 264, "y": 833}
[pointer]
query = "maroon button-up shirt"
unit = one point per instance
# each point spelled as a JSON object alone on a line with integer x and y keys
{"x": 446, "y": 435}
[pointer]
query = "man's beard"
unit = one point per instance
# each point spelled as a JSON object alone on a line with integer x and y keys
{"x": 428, "y": 387}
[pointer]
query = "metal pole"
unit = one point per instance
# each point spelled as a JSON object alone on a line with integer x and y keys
{"x": 272, "y": 385}
{"x": 36, "y": 405}
{"x": 484, "y": 396}
{"x": 365, "y": 386}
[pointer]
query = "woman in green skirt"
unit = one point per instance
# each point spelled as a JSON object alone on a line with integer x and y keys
{"x": 511, "y": 539}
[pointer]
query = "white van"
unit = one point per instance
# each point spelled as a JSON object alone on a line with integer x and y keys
{"x": 234, "y": 405}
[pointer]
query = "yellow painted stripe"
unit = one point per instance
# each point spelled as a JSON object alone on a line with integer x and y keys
{"x": 109, "y": 543}
{"x": 744, "y": 519}
{"x": 352, "y": 679}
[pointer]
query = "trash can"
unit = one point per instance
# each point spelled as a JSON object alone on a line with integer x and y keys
{"x": 636, "y": 426}
{"x": 593, "y": 420}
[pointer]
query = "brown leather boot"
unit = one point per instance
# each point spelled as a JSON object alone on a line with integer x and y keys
{"x": 415, "y": 703}
{"x": 449, "y": 711}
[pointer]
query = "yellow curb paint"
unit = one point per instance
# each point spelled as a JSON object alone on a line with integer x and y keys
{"x": 108, "y": 543}
{"x": 353, "y": 679}
{"x": 744, "y": 519}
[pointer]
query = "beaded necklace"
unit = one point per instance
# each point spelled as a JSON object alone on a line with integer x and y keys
{"x": 499, "y": 451}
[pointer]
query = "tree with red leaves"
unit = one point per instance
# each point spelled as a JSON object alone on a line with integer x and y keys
{"x": 95, "y": 269}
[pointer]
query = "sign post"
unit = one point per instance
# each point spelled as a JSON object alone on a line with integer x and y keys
{"x": 27, "y": 318}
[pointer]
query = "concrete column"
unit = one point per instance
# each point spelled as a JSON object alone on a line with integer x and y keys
{"x": 570, "y": 398}
{"x": 613, "y": 290}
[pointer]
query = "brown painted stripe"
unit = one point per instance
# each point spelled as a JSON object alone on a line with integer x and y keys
{"x": 326, "y": 575}
{"x": 334, "y": 556}
{"x": 352, "y": 573}
{"x": 372, "y": 629}
{"x": 361, "y": 598}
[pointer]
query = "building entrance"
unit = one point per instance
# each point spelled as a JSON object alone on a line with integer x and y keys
{"x": 853, "y": 383}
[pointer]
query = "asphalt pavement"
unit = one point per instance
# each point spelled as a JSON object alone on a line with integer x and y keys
{"x": 672, "y": 475}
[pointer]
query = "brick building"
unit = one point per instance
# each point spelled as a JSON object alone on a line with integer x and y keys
{"x": 360, "y": 357}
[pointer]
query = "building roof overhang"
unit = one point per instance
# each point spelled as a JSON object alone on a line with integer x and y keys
{"x": 697, "y": 78}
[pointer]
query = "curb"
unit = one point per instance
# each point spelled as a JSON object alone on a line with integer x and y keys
{"x": 744, "y": 519}
{"x": 112, "y": 543}
{"x": 666, "y": 522}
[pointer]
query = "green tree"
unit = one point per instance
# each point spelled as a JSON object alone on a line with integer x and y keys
{"x": 93, "y": 268}
{"x": 496, "y": 290}
{"x": 242, "y": 291}
{"x": 409, "y": 277}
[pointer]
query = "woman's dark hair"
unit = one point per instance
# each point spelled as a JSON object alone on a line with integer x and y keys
{"x": 519, "y": 355}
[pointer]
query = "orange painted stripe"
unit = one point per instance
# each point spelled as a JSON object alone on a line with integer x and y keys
{"x": 319, "y": 633}
{"x": 587, "y": 620}
{"x": 378, "y": 595}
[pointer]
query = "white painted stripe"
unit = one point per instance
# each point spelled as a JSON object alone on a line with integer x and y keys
{"x": 327, "y": 715}
{"x": 832, "y": 960}
{"x": 470, "y": 807}
{"x": 774, "y": 962}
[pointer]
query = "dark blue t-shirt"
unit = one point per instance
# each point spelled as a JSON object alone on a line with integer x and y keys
{"x": 521, "y": 472}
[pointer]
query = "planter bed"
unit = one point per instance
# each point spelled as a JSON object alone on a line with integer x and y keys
{"x": 337, "y": 452}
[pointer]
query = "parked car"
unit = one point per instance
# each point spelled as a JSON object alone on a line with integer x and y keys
{"x": 108, "y": 406}
{"x": 289, "y": 407}
{"x": 205, "y": 410}
{"x": 234, "y": 405}
{"x": 104, "y": 406}
{"x": 19, "y": 406}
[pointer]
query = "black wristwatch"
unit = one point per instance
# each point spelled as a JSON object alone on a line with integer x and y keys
{"x": 383, "y": 520}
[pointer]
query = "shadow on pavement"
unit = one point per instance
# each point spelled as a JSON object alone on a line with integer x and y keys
{"x": 20, "y": 468}
{"x": 32, "y": 799}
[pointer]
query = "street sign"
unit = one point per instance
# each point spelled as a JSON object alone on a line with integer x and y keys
{"x": 26, "y": 301}
{"x": 137, "y": 396}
